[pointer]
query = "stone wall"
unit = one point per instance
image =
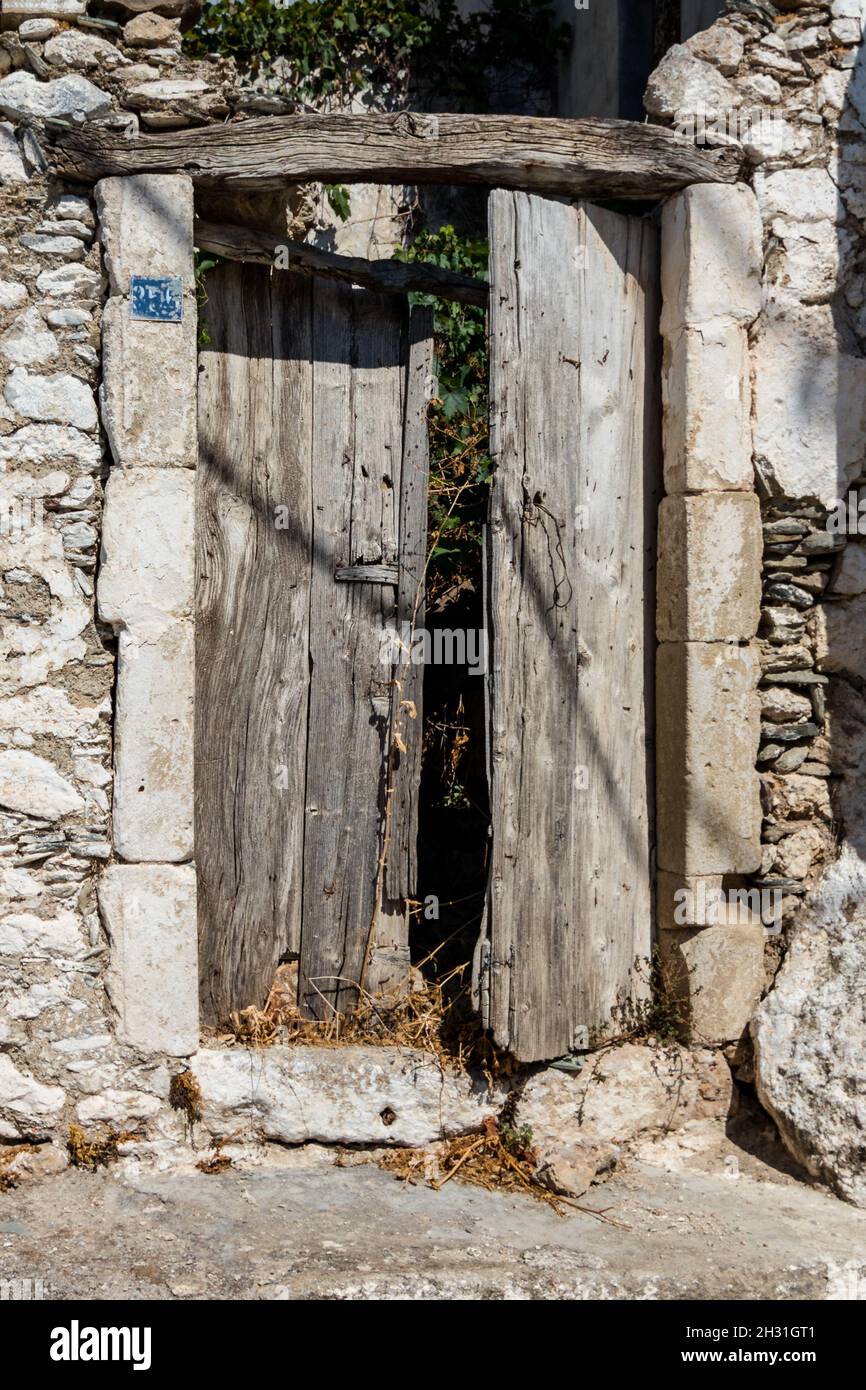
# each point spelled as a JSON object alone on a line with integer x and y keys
{"x": 791, "y": 90}
{"x": 765, "y": 392}
{"x": 98, "y": 991}
{"x": 790, "y": 86}
{"x": 70, "y": 1052}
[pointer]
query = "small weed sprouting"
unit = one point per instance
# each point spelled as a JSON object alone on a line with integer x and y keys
{"x": 98, "y": 1151}
{"x": 204, "y": 261}
{"x": 662, "y": 1014}
{"x": 184, "y": 1094}
{"x": 215, "y": 1162}
{"x": 517, "y": 1142}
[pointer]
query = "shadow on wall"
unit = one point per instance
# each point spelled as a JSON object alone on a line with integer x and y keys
{"x": 806, "y": 144}
{"x": 616, "y": 45}
{"x": 809, "y": 403}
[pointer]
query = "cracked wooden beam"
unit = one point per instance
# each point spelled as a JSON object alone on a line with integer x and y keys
{"x": 577, "y": 158}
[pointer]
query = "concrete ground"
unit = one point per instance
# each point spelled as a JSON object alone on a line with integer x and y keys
{"x": 302, "y": 1228}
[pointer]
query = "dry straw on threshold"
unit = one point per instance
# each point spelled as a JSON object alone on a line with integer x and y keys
{"x": 434, "y": 1017}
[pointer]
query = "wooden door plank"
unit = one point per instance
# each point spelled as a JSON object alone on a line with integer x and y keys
{"x": 408, "y": 689}
{"x": 252, "y": 607}
{"x": 358, "y": 374}
{"x": 619, "y": 487}
{"x": 574, "y": 441}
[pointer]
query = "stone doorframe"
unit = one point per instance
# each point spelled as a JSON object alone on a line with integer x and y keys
{"x": 709, "y": 817}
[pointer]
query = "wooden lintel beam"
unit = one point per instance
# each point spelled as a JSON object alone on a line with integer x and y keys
{"x": 577, "y": 158}
{"x": 389, "y": 277}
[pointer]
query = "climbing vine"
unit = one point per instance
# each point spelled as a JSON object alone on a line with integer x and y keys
{"x": 502, "y": 56}
{"x": 332, "y": 49}
{"x": 458, "y": 429}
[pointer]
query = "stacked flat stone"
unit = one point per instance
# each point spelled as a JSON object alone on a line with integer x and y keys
{"x": 800, "y": 65}
{"x": 799, "y": 556}
{"x": 98, "y": 974}
{"x": 799, "y": 553}
{"x": 67, "y": 1052}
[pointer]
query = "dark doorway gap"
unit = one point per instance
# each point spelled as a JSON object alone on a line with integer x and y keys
{"x": 454, "y": 819}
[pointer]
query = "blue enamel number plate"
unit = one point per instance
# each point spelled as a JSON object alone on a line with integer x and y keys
{"x": 158, "y": 297}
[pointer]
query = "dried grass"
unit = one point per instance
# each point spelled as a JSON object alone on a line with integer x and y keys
{"x": 184, "y": 1094}
{"x": 499, "y": 1159}
{"x": 98, "y": 1151}
{"x": 217, "y": 1161}
{"x": 434, "y": 1017}
{"x": 8, "y": 1153}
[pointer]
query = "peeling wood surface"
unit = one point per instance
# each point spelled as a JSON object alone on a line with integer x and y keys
{"x": 302, "y": 402}
{"x": 408, "y": 690}
{"x": 580, "y": 158}
{"x": 574, "y": 319}
{"x": 252, "y": 630}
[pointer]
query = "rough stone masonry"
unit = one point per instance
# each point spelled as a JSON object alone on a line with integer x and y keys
{"x": 762, "y": 658}
{"x": 98, "y": 970}
{"x": 790, "y": 86}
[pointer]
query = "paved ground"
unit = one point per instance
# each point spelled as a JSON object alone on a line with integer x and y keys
{"x": 308, "y": 1230}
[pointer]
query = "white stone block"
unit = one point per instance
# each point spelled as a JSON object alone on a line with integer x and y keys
{"x": 47, "y": 443}
{"x": 707, "y": 399}
{"x": 35, "y": 30}
{"x": 74, "y": 49}
{"x": 717, "y": 976}
{"x": 70, "y": 282}
{"x": 118, "y": 1108}
{"x": 145, "y": 224}
{"x": 809, "y": 404}
{"x": 580, "y": 1124}
{"x": 23, "y": 98}
{"x": 64, "y": 399}
{"x": 149, "y": 388}
{"x": 32, "y": 785}
{"x": 16, "y": 11}
{"x": 348, "y": 1095}
{"x": 23, "y": 933}
{"x": 149, "y": 912}
{"x": 710, "y": 549}
{"x": 147, "y": 575}
{"x": 12, "y": 294}
{"x": 810, "y": 1034}
{"x": 810, "y": 259}
{"x": 708, "y": 727}
{"x": 685, "y": 85}
{"x": 152, "y": 96}
{"x": 71, "y": 248}
{"x": 12, "y": 168}
{"x": 799, "y": 195}
{"x": 27, "y": 342}
{"x": 711, "y": 257}
{"x": 720, "y": 45}
{"x": 153, "y": 762}
{"x": 26, "y": 1100}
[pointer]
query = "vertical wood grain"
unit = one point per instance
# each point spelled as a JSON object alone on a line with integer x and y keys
{"x": 574, "y": 437}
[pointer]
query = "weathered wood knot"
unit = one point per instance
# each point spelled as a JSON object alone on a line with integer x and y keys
{"x": 421, "y": 125}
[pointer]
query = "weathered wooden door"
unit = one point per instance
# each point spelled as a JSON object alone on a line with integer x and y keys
{"x": 311, "y": 520}
{"x": 574, "y": 317}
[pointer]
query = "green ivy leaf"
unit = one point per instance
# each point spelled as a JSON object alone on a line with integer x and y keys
{"x": 338, "y": 197}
